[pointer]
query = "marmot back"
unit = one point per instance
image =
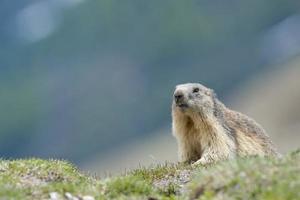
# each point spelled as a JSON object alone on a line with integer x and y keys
{"x": 207, "y": 131}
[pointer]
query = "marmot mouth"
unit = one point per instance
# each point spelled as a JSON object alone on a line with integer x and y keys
{"x": 182, "y": 105}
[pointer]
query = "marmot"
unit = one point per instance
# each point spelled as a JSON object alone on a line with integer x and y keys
{"x": 207, "y": 131}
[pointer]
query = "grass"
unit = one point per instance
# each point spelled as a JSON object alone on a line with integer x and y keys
{"x": 251, "y": 178}
{"x": 36, "y": 179}
{"x": 244, "y": 178}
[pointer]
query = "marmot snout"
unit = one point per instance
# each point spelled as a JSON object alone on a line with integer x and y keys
{"x": 207, "y": 131}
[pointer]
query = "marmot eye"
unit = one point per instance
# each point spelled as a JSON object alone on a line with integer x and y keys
{"x": 195, "y": 90}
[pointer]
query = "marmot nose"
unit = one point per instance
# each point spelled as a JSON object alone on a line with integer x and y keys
{"x": 178, "y": 96}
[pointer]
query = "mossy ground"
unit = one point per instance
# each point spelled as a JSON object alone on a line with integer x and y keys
{"x": 250, "y": 178}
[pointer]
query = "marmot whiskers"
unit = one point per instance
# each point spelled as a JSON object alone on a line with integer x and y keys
{"x": 207, "y": 131}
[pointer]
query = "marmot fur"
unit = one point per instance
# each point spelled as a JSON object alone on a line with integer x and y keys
{"x": 207, "y": 131}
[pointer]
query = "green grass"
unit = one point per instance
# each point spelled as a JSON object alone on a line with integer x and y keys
{"x": 250, "y": 178}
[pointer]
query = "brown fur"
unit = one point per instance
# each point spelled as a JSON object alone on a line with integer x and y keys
{"x": 207, "y": 131}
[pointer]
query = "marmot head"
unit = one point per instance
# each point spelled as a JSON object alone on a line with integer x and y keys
{"x": 193, "y": 97}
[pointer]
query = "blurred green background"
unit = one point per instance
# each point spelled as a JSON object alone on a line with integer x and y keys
{"x": 83, "y": 79}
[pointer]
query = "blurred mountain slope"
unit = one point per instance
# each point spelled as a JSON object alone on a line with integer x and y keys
{"x": 158, "y": 148}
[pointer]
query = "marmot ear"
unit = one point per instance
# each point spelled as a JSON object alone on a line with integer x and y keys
{"x": 212, "y": 93}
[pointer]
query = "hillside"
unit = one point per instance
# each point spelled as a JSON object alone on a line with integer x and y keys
{"x": 251, "y": 178}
